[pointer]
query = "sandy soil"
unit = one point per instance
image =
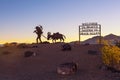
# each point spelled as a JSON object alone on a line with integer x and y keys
{"x": 14, "y": 66}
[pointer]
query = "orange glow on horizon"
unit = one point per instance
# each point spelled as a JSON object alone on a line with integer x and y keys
{"x": 33, "y": 40}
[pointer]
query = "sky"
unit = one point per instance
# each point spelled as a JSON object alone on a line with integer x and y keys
{"x": 18, "y": 18}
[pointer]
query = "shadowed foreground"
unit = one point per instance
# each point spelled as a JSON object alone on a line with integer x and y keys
{"x": 14, "y": 66}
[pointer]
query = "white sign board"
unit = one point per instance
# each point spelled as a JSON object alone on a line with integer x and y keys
{"x": 90, "y": 29}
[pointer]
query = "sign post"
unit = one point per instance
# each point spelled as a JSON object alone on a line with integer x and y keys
{"x": 90, "y": 29}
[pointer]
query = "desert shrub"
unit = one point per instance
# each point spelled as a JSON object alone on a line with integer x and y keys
{"x": 10, "y": 44}
{"x": 6, "y": 45}
{"x": 111, "y": 55}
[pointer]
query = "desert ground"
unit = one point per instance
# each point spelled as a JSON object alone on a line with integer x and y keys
{"x": 14, "y": 66}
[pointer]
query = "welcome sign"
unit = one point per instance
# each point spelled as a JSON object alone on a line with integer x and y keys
{"x": 90, "y": 29}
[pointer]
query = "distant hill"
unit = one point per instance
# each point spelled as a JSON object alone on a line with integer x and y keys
{"x": 92, "y": 40}
{"x": 111, "y": 38}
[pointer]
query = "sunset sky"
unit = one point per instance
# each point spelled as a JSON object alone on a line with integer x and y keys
{"x": 18, "y": 18}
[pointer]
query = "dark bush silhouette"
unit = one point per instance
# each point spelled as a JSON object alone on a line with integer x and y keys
{"x": 34, "y": 46}
{"x": 45, "y": 42}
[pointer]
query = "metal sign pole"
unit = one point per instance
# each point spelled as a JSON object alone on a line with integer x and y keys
{"x": 100, "y": 34}
{"x": 79, "y": 34}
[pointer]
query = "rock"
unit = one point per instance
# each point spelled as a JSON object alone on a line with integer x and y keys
{"x": 86, "y": 44}
{"x": 66, "y": 47}
{"x": 34, "y": 46}
{"x": 112, "y": 69}
{"x": 93, "y": 52}
{"x": 103, "y": 67}
{"x": 67, "y": 68}
{"x": 29, "y": 53}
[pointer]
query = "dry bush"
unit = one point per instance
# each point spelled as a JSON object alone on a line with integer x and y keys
{"x": 111, "y": 56}
{"x": 13, "y": 44}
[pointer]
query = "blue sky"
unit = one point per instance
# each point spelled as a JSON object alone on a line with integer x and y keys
{"x": 19, "y": 17}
